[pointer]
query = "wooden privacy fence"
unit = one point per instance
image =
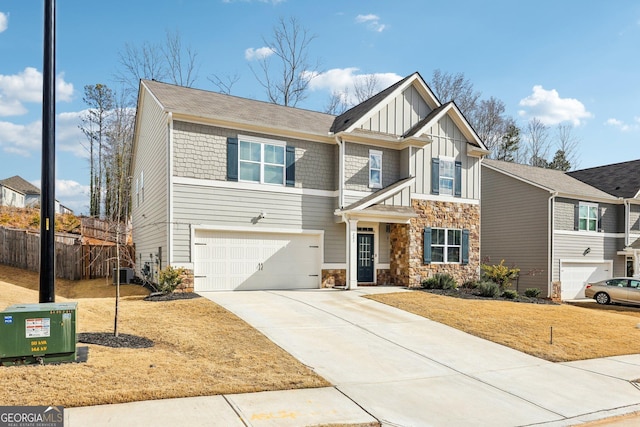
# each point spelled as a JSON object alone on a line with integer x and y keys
{"x": 74, "y": 261}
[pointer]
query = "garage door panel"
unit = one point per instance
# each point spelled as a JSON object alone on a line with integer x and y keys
{"x": 574, "y": 277}
{"x": 248, "y": 261}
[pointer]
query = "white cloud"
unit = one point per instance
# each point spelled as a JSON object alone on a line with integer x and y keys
{"x": 260, "y": 53}
{"x": 4, "y": 21}
{"x": 26, "y": 86}
{"x": 550, "y": 109}
{"x": 26, "y": 139}
{"x": 343, "y": 80}
{"x": 372, "y": 22}
{"x": 619, "y": 124}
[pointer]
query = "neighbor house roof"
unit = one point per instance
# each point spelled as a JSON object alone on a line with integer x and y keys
{"x": 218, "y": 106}
{"x": 20, "y": 184}
{"x": 618, "y": 179}
{"x": 549, "y": 179}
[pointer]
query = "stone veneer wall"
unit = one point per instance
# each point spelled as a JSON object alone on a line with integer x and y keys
{"x": 384, "y": 277}
{"x": 187, "y": 282}
{"x": 407, "y": 268}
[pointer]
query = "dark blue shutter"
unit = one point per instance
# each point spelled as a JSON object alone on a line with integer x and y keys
{"x": 435, "y": 176}
{"x": 291, "y": 166}
{"x": 232, "y": 159}
{"x": 576, "y": 217}
{"x": 457, "y": 180}
{"x": 426, "y": 252}
{"x": 600, "y": 213}
{"x": 465, "y": 246}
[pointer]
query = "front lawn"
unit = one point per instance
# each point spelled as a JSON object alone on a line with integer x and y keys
{"x": 200, "y": 349}
{"x": 579, "y": 332}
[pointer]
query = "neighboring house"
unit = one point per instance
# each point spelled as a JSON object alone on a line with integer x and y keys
{"x": 552, "y": 226}
{"x": 623, "y": 181}
{"x": 18, "y": 192}
{"x": 252, "y": 195}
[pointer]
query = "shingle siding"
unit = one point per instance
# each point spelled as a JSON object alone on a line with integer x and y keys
{"x": 611, "y": 219}
{"x": 356, "y": 165}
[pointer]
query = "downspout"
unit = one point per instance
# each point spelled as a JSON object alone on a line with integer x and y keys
{"x": 550, "y": 242}
{"x": 340, "y": 172}
{"x": 170, "y": 185}
{"x": 627, "y": 218}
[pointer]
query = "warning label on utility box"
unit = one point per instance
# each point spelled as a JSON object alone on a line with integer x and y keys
{"x": 37, "y": 328}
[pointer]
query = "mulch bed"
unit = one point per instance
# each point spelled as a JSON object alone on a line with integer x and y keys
{"x": 468, "y": 293}
{"x": 107, "y": 339}
{"x": 159, "y": 296}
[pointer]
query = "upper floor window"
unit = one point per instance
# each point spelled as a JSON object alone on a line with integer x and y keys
{"x": 588, "y": 217}
{"x": 446, "y": 176}
{"x": 260, "y": 160}
{"x": 375, "y": 169}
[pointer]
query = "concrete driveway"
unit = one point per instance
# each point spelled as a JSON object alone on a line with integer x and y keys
{"x": 405, "y": 370}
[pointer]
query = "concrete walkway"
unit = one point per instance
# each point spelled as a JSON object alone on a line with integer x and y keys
{"x": 391, "y": 367}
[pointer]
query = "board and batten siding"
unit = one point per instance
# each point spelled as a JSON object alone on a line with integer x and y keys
{"x": 573, "y": 245}
{"x": 400, "y": 114}
{"x": 150, "y": 215}
{"x": 211, "y": 205}
{"x": 514, "y": 227}
{"x": 448, "y": 141}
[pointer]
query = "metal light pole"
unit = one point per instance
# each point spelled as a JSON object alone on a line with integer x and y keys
{"x": 48, "y": 177}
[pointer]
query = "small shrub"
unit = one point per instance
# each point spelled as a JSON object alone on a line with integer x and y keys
{"x": 169, "y": 279}
{"x": 488, "y": 289}
{"x": 532, "y": 292}
{"x": 510, "y": 294}
{"x": 500, "y": 274}
{"x": 470, "y": 284}
{"x": 440, "y": 281}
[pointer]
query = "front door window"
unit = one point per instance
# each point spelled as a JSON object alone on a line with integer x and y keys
{"x": 365, "y": 258}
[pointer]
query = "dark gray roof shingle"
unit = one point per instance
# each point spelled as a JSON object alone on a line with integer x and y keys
{"x": 619, "y": 179}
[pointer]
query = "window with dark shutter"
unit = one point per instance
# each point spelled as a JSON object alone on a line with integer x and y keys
{"x": 435, "y": 176}
{"x": 426, "y": 253}
{"x": 291, "y": 166}
{"x": 458, "y": 180}
{"x": 232, "y": 159}
{"x": 465, "y": 247}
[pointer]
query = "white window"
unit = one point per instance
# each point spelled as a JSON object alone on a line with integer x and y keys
{"x": 261, "y": 161}
{"x": 142, "y": 186}
{"x": 447, "y": 174}
{"x": 588, "y": 217}
{"x": 375, "y": 169}
{"x": 446, "y": 245}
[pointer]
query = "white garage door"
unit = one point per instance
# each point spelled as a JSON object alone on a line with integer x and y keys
{"x": 575, "y": 275}
{"x": 234, "y": 260}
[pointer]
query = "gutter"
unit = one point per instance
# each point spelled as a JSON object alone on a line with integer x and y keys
{"x": 627, "y": 213}
{"x": 550, "y": 242}
{"x": 341, "y": 150}
{"x": 170, "y": 187}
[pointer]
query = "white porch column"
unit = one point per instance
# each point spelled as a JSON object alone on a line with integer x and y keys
{"x": 352, "y": 254}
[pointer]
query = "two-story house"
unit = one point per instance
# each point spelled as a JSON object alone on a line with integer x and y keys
{"x": 253, "y": 195}
{"x": 20, "y": 193}
{"x": 556, "y": 227}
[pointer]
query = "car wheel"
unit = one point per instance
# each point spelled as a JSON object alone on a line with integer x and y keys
{"x": 602, "y": 298}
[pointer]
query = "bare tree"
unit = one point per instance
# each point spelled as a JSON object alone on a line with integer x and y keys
{"x": 455, "y": 87}
{"x": 537, "y": 143}
{"x": 286, "y": 82}
{"x": 180, "y": 61}
{"x": 337, "y": 103}
{"x": 491, "y": 124}
{"x": 224, "y": 84}
{"x": 365, "y": 87}
{"x": 568, "y": 143}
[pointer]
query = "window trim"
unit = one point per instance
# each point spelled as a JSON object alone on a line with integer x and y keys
{"x": 442, "y": 161}
{"x": 589, "y": 205}
{"x": 371, "y": 154}
{"x": 445, "y": 247}
{"x": 263, "y": 142}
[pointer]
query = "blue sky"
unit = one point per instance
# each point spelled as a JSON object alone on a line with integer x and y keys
{"x": 561, "y": 61}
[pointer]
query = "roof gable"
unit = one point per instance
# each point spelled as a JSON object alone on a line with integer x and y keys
{"x": 618, "y": 179}
{"x": 20, "y": 184}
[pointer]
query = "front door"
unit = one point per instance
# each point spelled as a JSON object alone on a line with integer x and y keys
{"x": 365, "y": 258}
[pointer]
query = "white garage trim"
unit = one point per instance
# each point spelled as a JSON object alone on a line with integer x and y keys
{"x": 573, "y": 288}
{"x": 224, "y": 258}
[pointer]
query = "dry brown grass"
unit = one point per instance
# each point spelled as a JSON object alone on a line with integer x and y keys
{"x": 578, "y": 332}
{"x": 200, "y": 349}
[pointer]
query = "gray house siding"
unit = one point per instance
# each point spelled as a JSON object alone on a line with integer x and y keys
{"x": 400, "y": 114}
{"x": 150, "y": 178}
{"x": 634, "y": 218}
{"x": 240, "y": 208}
{"x": 514, "y": 220}
{"x": 573, "y": 247}
{"x": 611, "y": 216}
{"x": 384, "y": 245}
{"x": 356, "y": 165}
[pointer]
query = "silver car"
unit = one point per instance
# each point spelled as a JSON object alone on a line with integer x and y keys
{"x": 624, "y": 290}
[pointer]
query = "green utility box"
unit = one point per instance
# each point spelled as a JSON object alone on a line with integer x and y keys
{"x": 38, "y": 333}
